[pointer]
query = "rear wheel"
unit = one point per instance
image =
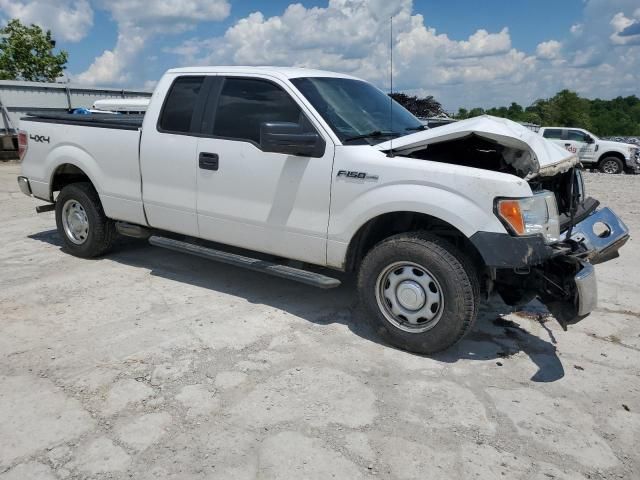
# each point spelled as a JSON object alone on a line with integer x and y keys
{"x": 421, "y": 293}
{"x": 611, "y": 165}
{"x": 85, "y": 229}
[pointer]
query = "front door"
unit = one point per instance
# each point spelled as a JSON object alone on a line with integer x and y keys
{"x": 269, "y": 202}
{"x": 585, "y": 146}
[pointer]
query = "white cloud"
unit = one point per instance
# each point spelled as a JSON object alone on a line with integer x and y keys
{"x": 138, "y": 22}
{"x": 626, "y": 30}
{"x": 67, "y": 19}
{"x": 549, "y": 50}
{"x": 353, "y": 36}
{"x": 599, "y": 55}
{"x": 112, "y": 66}
{"x": 175, "y": 15}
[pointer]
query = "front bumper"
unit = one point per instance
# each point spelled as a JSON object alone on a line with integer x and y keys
{"x": 565, "y": 280}
{"x": 600, "y": 236}
{"x": 632, "y": 164}
{"x": 586, "y": 290}
{"x": 25, "y": 187}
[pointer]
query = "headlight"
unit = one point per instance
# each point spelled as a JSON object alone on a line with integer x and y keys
{"x": 531, "y": 215}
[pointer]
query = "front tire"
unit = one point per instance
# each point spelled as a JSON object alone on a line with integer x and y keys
{"x": 611, "y": 165}
{"x": 82, "y": 224}
{"x": 420, "y": 292}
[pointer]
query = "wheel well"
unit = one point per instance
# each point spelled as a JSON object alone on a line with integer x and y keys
{"x": 66, "y": 174}
{"x": 618, "y": 155}
{"x": 389, "y": 224}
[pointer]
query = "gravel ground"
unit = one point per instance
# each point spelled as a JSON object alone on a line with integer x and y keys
{"x": 152, "y": 364}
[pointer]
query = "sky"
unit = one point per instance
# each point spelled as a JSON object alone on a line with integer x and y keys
{"x": 466, "y": 53}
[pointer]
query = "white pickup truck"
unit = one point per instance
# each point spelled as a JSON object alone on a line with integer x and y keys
{"x": 604, "y": 155}
{"x": 283, "y": 164}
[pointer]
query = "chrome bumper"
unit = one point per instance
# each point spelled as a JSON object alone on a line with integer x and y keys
{"x": 25, "y": 187}
{"x": 602, "y": 234}
{"x": 587, "y": 289}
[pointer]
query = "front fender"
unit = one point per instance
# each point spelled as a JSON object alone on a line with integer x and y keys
{"x": 457, "y": 210}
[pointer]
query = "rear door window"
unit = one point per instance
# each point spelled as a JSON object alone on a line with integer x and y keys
{"x": 180, "y": 104}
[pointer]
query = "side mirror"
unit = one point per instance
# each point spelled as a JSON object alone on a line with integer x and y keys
{"x": 590, "y": 139}
{"x": 288, "y": 138}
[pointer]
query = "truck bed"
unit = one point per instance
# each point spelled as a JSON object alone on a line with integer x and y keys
{"x": 96, "y": 120}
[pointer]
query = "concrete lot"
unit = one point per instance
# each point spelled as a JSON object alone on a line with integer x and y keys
{"x": 153, "y": 364}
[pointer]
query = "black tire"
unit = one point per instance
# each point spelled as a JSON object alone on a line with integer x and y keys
{"x": 101, "y": 230}
{"x": 611, "y": 165}
{"x": 457, "y": 281}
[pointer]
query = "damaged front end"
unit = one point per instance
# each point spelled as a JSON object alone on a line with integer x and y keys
{"x": 554, "y": 236}
{"x": 563, "y": 277}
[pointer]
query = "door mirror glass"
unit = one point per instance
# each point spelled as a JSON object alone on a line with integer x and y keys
{"x": 290, "y": 138}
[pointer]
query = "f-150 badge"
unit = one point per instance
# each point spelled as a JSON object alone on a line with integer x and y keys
{"x": 356, "y": 175}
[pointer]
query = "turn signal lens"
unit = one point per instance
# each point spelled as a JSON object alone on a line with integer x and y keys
{"x": 533, "y": 215}
{"x": 510, "y": 212}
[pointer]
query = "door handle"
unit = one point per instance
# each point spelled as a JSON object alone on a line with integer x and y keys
{"x": 208, "y": 161}
{"x": 567, "y": 144}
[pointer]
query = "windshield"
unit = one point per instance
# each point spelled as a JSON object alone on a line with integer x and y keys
{"x": 354, "y": 108}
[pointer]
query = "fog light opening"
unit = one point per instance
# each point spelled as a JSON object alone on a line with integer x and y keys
{"x": 601, "y": 229}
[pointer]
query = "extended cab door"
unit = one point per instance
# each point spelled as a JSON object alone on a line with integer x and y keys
{"x": 269, "y": 202}
{"x": 167, "y": 151}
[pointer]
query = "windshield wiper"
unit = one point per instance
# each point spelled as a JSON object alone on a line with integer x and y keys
{"x": 416, "y": 129}
{"x": 374, "y": 134}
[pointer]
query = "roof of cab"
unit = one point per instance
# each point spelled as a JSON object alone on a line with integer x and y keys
{"x": 280, "y": 72}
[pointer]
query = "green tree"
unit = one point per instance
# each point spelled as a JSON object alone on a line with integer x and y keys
{"x": 476, "y": 112}
{"x": 462, "y": 114}
{"x": 569, "y": 109}
{"x": 420, "y": 107}
{"x": 26, "y": 53}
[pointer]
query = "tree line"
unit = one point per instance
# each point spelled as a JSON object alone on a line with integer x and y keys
{"x": 619, "y": 116}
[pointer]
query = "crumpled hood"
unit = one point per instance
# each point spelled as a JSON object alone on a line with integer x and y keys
{"x": 527, "y": 151}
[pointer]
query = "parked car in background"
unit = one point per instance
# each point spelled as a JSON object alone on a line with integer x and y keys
{"x": 593, "y": 152}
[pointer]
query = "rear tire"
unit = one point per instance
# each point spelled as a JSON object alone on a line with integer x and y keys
{"x": 82, "y": 224}
{"x": 419, "y": 291}
{"x": 611, "y": 165}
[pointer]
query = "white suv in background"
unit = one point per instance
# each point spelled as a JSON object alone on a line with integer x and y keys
{"x": 605, "y": 155}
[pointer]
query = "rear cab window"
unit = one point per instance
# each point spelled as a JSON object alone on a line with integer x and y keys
{"x": 177, "y": 114}
{"x": 552, "y": 133}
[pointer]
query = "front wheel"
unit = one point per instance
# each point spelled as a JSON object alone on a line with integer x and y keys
{"x": 85, "y": 229}
{"x": 421, "y": 293}
{"x": 611, "y": 165}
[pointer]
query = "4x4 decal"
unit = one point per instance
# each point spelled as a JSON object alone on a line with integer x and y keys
{"x": 39, "y": 138}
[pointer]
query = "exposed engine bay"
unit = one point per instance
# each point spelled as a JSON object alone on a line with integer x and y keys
{"x": 473, "y": 151}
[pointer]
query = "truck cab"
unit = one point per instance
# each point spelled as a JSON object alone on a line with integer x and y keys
{"x": 604, "y": 155}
